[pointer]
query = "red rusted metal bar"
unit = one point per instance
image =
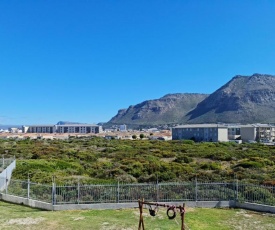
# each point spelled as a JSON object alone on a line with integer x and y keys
{"x": 141, "y": 203}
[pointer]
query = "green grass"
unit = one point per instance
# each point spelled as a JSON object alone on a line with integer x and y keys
{"x": 21, "y": 217}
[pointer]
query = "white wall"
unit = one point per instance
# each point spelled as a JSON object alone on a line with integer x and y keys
{"x": 248, "y": 133}
{"x": 222, "y": 134}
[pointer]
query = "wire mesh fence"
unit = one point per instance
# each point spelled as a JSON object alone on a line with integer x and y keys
{"x": 160, "y": 192}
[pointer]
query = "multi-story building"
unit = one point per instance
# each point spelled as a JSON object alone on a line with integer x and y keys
{"x": 201, "y": 132}
{"x": 70, "y": 128}
{"x": 123, "y": 128}
{"x": 39, "y": 129}
{"x": 234, "y": 132}
{"x": 78, "y": 128}
{"x": 258, "y": 132}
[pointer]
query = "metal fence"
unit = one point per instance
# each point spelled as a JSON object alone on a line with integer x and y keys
{"x": 5, "y": 162}
{"x": 7, "y": 166}
{"x": 160, "y": 192}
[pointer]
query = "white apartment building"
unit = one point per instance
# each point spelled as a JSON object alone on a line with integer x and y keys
{"x": 39, "y": 129}
{"x": 201, "y": 132}
{"x": 234, "y": 131}
{"x": 258, "y": 132}
{"x": 123, "y": 128}
{"x": 78, "y": 128}
{"x": 70, "y": 128}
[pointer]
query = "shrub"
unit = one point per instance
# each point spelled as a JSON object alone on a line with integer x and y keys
{"x": 250, "y": 164}
{"x": 188, "y": 142}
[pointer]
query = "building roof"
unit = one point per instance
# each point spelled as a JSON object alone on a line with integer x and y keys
{"x": 201, "y": 126}
{"x": 38, "y": 125}
{"x": 67, "y": 125}
{"x": 77, "y": 125}
{"x": 257, "y": 125}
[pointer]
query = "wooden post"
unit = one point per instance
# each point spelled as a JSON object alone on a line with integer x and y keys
{"x": 182, "y": 212}
{"x": 141, "y": 223}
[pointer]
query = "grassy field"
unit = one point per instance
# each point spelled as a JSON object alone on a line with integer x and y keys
{"x": 21, "y": 217}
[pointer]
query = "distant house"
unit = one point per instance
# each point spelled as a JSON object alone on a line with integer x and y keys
{"x": 153, "y": 130}
{"x": 122, "y": 128}
{"x": 111, "y": 137}
{"x": 200, "y": 132}
{"x": 13, "y": 130}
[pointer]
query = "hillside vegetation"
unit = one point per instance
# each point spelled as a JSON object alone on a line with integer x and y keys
{"x": 96, "y": 160}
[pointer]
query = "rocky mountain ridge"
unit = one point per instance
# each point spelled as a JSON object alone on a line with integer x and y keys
{"x": 159, "y": 111}
{"x": 244, "y": 99}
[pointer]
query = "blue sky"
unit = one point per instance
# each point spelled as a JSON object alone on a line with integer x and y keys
{"x": 84, "y": 60}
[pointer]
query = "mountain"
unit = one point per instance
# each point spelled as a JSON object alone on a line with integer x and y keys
{"x": 10, "y": 126}
{"x": 67, "y": 123}
{"x": 244, "y": 99}
{"x": 169, "y": 109}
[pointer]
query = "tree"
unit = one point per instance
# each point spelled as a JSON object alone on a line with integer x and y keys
{"x": 141, "y": 136}
{"x": 134, "y": 136}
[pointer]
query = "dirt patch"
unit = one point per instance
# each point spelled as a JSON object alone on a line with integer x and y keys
{"x": 170, "y": 159}
{"x": 103, "y": 159}
{"x": 25, "y": 221}
{"x": 248, "y": 220}
{"x": 79, "y": 218}
{"x": 189, "y": 209}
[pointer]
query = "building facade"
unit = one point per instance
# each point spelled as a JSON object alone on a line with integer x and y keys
{"x": 234, "y": 132}
{"x": 78, "y": 128}
{"x": 258, "y": 132}
{"x": 70, "y": 128}
{"x": 123, "y": 128}
{"x": 201, "y": 132}
{"x": 39, "y": 129}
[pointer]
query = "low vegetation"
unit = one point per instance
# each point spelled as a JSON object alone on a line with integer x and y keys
{"x": 96, "y": 160}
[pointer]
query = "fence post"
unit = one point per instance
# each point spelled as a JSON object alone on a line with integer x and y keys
{"x": 157, "y": 185}
{"x": 53, "y": 192}
{"x": 78, "y": 192}
{"x": 28, "y": 188}
{"x": 237, "y": 190}
{"x": 6, "y": 181}
{"x": 3, "y": 162}
{"x": 117, "y": 199}
{"x": 196, "y": 189}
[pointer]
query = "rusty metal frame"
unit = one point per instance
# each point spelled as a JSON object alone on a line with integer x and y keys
{"x": 142, "y": 202}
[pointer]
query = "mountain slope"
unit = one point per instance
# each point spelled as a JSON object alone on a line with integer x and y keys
{"x": 244, "y": 99}
{"x": 169, "y": 109}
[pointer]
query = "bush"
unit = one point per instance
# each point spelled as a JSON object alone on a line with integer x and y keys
{"x": 141, "y": 136}
{"x": 250, "y": 164}
{"x": 188, "y": 142}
